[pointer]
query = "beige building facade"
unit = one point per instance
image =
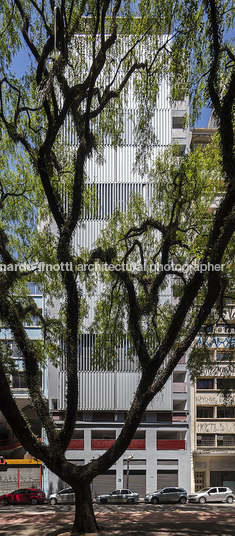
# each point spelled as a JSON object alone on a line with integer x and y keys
{"x": 213, "y": 416}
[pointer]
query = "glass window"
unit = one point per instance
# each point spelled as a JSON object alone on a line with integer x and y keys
{"x": 205, "y": 440}
{"x": 33, "y": 288}
{"x": 164, "y": 416}
{"x": 220, "y": 356}
{"x": 225, "y": 413}
{"x": 213, "y": 490}
{"x": 205, "y": 383}
{"x": 225, "y": 383}
{"x": 222, "y": 490}
{"x": 19, "y": 382}
{"x": 204, "y": 412}
{"x": 16, "y": 351}
{"x": 226, "y": 440}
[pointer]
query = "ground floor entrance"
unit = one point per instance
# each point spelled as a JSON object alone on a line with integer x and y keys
{"x": 214, "y": 470}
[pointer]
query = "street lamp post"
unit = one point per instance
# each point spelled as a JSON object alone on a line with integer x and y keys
{"x": 127, "y": 470}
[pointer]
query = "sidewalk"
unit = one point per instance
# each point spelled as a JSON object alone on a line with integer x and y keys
{"x": 176, "y": 523}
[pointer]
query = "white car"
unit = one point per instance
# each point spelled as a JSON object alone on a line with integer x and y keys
{"x": 119, "y": 496}
{"x": 64, "y": 496}
{"x": 212, "y": 495}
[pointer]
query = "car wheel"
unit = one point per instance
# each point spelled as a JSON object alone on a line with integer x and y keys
{"x": 130, "y": 501}
{"x": 155, "y": 500}
{"x": 229, "y": 500}
{"x": 202, "y": 500}
{"x": 34, "y": 501}
{"x": 182, "y": 500}
{"x": 103, "y": 501}
{"x": 53, "y": 501}
{"x": 4, "y": 502}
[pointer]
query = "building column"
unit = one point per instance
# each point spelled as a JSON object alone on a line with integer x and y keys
{"x": 151, "y": 459}
{"x": 119, "y": 473}
{"x": 207, "y": 482}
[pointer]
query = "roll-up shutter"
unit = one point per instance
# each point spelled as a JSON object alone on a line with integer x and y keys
{"x": 28, "y": 477}
{"x": 104, "y": 483}
{"x": 167, "y": 478}
{"x": 137, "y": 481}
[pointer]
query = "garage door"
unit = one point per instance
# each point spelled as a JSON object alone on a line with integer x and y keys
{"x": 104, "y": 483}
{"x": 27, "y": 477}
{"x": 167, "y": 478}
{"x": 137, "y": 481}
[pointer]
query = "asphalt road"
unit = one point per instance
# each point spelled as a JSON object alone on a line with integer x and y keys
{"x": 125, "y": 520}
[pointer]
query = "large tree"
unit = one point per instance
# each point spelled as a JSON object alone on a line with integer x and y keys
{"x": 82, "y": 58}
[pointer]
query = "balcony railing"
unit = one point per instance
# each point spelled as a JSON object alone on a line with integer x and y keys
{"x": 76, "y": 444}
{"x": 179, "y": 387}
{"x": 179, "y": 417}
{"x": 98, "y": 444}
{"x": 137, "y": 444}
{"x": 171, "y": 444}
{"x": 8, "y": 446}
{"x": 101, "y": 444}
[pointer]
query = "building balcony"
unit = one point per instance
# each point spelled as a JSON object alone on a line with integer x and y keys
{"x": 104, "y": 444}
{"x": 179, "y": 387}
{"x": 101, "y": 444}
{"x": 178, "y": 134}
{"x": 171, "y": 444}
{"x": 137, "y": 444}
{"x": 179, "y": 417}
{"x": 180, "y": 106}
{"x": 76, "y": 444}
{"x": 6, "y": 448}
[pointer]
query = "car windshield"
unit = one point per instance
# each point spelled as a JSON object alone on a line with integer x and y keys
{"x": 203, "y": 490}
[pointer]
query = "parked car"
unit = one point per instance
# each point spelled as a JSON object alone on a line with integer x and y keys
{"x": 119, "y": 496}
{"x": 167, "y": 495}
{"x": 22, "y": 496}
{"x": 66, "y": 495}
{"x": 212, "y": 495}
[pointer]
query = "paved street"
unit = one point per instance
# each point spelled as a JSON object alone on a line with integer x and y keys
{"x": 126, "y": 520}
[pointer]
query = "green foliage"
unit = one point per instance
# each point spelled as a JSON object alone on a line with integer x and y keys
{"x": 7, "y": 359}
{"x": 178, "y": 220}
{"x": 199, "y": 360}
{"x": 55, "y": 120}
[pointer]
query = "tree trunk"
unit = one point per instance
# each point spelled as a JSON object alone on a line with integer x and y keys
{"x": 84, "y": 521}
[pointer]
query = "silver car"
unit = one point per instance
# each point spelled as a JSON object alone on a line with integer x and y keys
{"x": 212, "y": 495}
{"x": 119, "y": 496}
{"x": 167, "y": 495}
{"x": 64, "y": 496}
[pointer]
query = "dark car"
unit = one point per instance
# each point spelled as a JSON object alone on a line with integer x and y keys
{"x": 119, "y": 496}
{"x": 167, "y": 495}
{"x": 22, "y": 496}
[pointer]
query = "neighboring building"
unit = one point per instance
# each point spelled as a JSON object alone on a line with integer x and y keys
{"x": 161, "y": 445}
{"x": 200, "y": 137}
{"x": 22, "y": 469}
{"x": 213, "y": 419}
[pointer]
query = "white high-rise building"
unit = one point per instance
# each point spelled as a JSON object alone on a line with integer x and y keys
{"x": 161, "y": 445}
